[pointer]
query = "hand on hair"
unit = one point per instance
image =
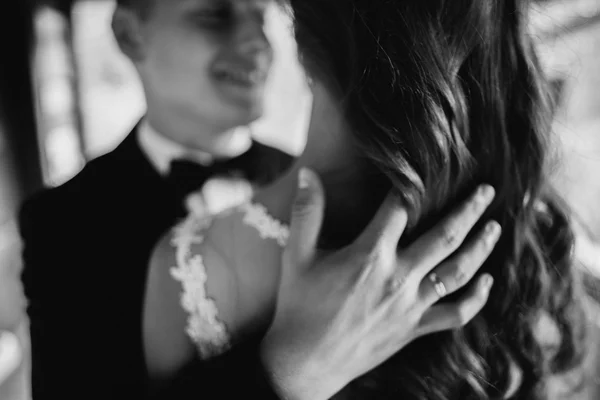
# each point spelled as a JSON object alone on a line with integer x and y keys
{"x": 342, "y": 314}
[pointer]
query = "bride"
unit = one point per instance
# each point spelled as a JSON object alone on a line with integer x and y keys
{"x": 423, "y": 99}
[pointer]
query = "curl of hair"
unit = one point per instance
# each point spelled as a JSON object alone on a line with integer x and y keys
{"x": 444, "y": 95}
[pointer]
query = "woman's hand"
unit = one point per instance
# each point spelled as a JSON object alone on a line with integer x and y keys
{"x": 339, "y": 316}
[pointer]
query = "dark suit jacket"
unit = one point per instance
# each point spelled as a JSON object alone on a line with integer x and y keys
{"x": 87, "y": 245}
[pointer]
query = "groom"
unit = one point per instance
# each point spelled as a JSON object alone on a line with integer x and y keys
{"x": 87, "y": 242}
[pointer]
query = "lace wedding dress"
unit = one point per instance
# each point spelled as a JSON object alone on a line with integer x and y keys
{"x": 204, "y": 328}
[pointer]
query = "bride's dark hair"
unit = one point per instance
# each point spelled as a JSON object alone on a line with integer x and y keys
{"x": 443, "y": 95}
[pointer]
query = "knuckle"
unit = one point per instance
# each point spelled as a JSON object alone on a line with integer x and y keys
{"x": 450, "y": 234}
{"x": 303, "y": 206}
{"x": 465, "y": 266}
{"x": 396, "y": 283}
{"x": 370, "y": 256}
{"x": 363, "y": 274}
{"x": 377, "y": 258}
{"x": 460, "y": 275}
{"x": 367, "y": 265}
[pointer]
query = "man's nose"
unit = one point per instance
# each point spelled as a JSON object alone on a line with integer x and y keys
{"x": 250, "y": 38}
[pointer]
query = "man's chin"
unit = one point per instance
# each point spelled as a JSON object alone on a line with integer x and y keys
{"x": 246, "y": 106}
{"x": 243, "y": 115}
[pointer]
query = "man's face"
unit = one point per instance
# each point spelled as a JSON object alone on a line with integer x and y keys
{"x": 206, "y": 60}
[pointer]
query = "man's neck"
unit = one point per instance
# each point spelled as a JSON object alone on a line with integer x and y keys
{"x": 219, "y": 144}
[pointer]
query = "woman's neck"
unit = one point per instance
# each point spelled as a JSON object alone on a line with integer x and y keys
{"x": 328, "y": 152}
{"x": 352, "y": 187}
{"x": 351, "y": 200}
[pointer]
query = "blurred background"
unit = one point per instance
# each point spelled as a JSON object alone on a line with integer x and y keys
{"x": 69, "y": 96}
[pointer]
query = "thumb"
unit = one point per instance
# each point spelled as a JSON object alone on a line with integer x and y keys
{"x": 307, "y": 218}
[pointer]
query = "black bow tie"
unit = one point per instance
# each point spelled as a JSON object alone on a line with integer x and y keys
{"x": 186, "y": 176}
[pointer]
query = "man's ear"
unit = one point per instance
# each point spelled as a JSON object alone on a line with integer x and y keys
{"x": 126, "y": 26}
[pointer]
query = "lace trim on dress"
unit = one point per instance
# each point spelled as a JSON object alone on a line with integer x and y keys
{"x": 203, "y": 325}
{"x": 257, "y": 216}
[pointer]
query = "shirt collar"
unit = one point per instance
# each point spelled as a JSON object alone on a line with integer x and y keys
{"x": 161, "y": 150}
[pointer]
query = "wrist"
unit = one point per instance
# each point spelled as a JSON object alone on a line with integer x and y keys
{"x": 289, "y": 379}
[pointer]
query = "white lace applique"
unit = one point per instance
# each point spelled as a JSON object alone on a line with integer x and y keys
{"x": 257, "y": 216}
{"x": 203, "y": 325}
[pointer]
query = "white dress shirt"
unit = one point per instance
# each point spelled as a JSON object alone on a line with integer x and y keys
{"x": 161, "y": 150}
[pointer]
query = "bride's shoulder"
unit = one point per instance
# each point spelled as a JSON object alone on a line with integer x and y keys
{"x": 243, "y": 245}
{"x": 233, "y": 256}
{"x": 189, "y": 279}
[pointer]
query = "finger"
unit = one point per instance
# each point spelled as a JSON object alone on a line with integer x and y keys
{"x": 307, "y": 218}
{"x": 441, "y": 241}
{"x": 458, "y": 270}
{"x": 387, "y": 225}
{"x": 449, "y": 316}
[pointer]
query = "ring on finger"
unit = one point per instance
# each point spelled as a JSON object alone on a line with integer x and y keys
{"x": 438, "y": 284}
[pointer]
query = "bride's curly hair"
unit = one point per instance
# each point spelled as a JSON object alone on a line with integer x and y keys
{"x": 443, "y": 95}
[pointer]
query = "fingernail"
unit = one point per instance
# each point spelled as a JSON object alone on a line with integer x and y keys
{"x": 492, "y": 232}
{"x": 486, "y": 193}
{"x": 492, "y": 228}
{"x": 487, "y": 281}
{"x": 303, "y": 178}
